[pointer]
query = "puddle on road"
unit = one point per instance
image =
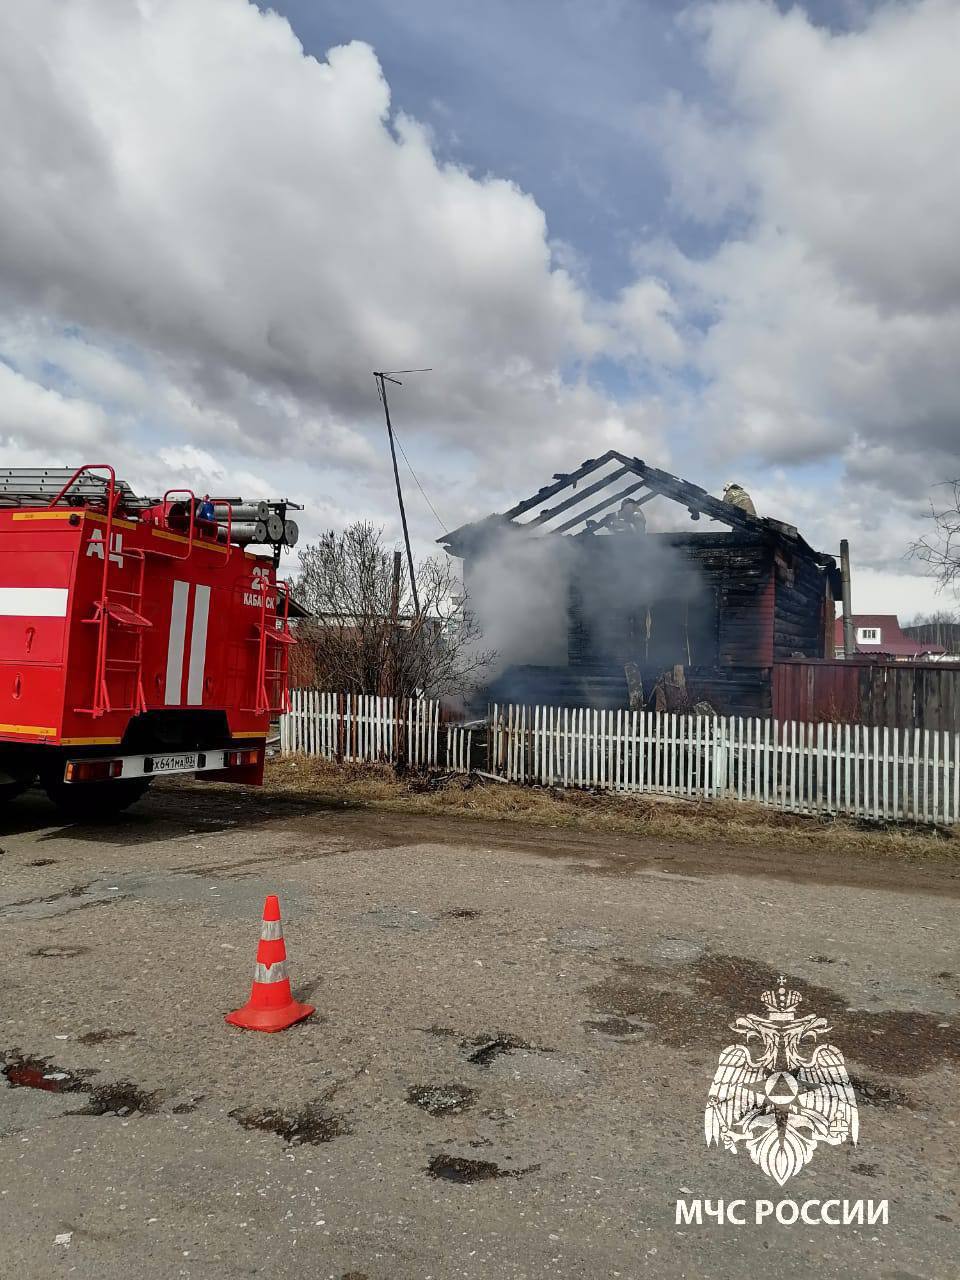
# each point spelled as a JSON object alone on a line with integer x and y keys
{"x": 23, "y": 1072}
{"x": 441, "y": 1099}
{"x": 463, "y": 1169}
{"x": 313, "y": 1123}
{"x": 122, "y": 1097}
{"x": 692, "y": 1005}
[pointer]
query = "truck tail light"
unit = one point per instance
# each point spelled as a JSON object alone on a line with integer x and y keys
{"x": 92, "y": 770}
{"x": 237, "y": 759}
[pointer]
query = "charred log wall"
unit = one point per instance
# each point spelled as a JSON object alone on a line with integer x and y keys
{"x": 803, "y": 610}
{"x": 707, "y": 601}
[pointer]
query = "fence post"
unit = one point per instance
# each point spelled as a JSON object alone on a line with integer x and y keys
{"x": 721, "y": 755}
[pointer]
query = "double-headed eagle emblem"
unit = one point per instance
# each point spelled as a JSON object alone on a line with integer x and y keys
{"x": 793, "y": 1095}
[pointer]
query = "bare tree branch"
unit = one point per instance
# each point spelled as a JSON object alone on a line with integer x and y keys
{"x": 354, "y": 643}
{"x": 941, "y": 548}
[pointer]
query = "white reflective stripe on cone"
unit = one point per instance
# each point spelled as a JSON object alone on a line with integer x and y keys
{"x": 270, "y": 972}
{"x": 271, "y": 931}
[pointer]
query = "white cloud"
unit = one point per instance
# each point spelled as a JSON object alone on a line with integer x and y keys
{"x": 234, "y": 235}
{"x": 825, "y": 325}
{"x": 208, "y": 240}
{"x": 32, "y": 415}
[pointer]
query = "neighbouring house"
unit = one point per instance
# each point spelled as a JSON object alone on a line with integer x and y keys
{"x": 589, "y": 606}
{"x": 880, "y": 634}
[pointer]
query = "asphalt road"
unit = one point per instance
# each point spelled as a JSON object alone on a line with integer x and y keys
{"x": 507, "y": 1071}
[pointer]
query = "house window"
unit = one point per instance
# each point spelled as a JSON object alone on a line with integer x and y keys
{"x": 868, "y": 635}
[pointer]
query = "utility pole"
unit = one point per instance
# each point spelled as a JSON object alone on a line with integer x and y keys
{"x": 849, "y": 640}
{"x": 382, "y": 378}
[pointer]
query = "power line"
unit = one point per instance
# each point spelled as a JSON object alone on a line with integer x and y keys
{"x": 382, "y": 377}
{"x": 403, "y": 454}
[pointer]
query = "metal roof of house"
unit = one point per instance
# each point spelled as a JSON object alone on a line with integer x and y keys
{"x": 892, "y": 640}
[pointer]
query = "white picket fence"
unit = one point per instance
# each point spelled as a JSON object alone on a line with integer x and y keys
{"x": 347, "y": 726}
{"x": 459, "y": 748}
{"x": 866, "y": 772}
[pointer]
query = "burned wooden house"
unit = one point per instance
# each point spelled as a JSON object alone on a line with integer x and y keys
{"x": 621, "y": 612}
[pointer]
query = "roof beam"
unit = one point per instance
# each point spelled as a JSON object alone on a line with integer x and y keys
{"x": 586, "y": 469}
{"x": 579, "y": 496}
{"x": 608, "y": 501}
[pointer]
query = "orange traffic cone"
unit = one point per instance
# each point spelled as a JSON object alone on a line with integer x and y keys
{"x": 271, "y": 1007}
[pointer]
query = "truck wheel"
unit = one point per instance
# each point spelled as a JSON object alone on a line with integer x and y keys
{"x": 93, "y": 801}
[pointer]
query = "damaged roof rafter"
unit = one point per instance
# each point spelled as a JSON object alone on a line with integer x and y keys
{"x": 660, "y": 483}
{"x": 695, "y": 499}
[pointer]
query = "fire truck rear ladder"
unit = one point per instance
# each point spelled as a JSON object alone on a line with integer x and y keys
{"x": 116, "y": 609}
{"x": 273, "y": 632}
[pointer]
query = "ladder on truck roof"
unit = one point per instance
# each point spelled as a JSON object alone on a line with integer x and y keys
{"x": 36, "y": 486}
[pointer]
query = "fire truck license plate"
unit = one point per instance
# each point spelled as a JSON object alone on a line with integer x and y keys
{"x": 175, "y": 764}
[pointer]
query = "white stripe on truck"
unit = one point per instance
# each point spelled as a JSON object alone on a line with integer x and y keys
{"x": 178, "y": 629}
{"x": 33, "y": 602}
{"x": 198, "y": 645}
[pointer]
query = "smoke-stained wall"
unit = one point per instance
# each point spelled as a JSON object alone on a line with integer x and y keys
{"x": 637, "y": 598}
{"x": 517, "y": 586}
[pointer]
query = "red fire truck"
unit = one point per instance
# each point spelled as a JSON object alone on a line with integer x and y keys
{"x": 138, "y": 636}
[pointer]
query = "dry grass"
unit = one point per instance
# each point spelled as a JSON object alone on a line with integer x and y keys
{"x": 705, "y": 821}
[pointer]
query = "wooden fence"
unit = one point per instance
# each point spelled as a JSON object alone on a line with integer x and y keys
{"x": 870, "y": 691}
{"x": 868, "y": 772}
{"x": 871, "y": 772}
{"x": 345, "y": 726}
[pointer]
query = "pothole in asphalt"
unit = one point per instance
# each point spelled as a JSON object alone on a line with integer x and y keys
{"x": 101, "y": 1037}
{"x": 38, "y": 1073}
{"x": 313, "y": 1123}
{"x": 43, "y": 862}
{"x": 441, "y": 1099}
{"x": 57, "y": 953}
{"x": 184, "y": 1108}
{"x": 886, "y": 1097}
{"x": 462, "y": 1169}
{"x": 122, "y": 1098}
{"x": 617, "y": 1027}
{"x": 461, "y": 913}
{"x": 489, "y": 1048}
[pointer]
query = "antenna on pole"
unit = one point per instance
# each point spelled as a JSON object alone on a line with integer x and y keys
{"x": 390, "y": 376}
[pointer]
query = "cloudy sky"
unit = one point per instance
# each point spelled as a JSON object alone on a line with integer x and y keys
{"x": 721, "y": 237}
